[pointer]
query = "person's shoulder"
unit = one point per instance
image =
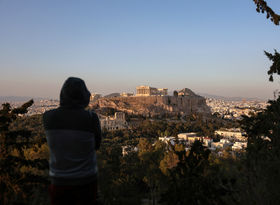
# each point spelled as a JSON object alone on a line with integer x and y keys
{"x": 93, "y": 114}
{"x": 49, "y": 113}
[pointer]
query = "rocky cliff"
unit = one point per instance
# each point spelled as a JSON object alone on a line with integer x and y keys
{"x": 155, "y": 105}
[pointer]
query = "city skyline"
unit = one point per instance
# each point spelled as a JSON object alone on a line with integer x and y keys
{"x": 210, "y": 47}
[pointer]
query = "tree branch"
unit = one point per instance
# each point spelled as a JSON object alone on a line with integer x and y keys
{"x": 263, "y": 7}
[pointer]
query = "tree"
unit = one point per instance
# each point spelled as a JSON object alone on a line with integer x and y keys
{"x": 264, "y": 8}
{"x": 263, "y": 154}
{"x": 275, "y": 67}
{"x": 186, "y": 174}
{"x": 150, "y": 157}
{"x": 262, "y": 160}
{"x": 15, "y": 182}
{"x": 275, "y": 18}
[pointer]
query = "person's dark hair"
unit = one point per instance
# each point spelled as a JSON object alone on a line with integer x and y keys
{"x": 74, "y": 93}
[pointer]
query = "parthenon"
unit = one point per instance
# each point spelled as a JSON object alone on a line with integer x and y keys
{"x": 150, "y": 91}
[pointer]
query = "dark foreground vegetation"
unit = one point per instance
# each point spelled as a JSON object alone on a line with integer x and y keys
{"x": 157, "y": 173}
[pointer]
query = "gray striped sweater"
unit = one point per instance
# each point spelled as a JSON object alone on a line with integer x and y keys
{"x": 73, "y": 135}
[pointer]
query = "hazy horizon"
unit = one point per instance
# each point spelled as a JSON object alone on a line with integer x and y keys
{"x": 22, "y": 98}
{"x": 210, "y": 47}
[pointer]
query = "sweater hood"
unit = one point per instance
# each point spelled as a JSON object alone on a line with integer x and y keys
{"x": 74, "y": 93}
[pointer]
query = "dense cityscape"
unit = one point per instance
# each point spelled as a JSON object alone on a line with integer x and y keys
{"x": 226, "y": 109}
{"x": 230, "y": 138}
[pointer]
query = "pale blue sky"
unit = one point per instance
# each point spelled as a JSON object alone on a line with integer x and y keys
{"x": 213, "y": 47}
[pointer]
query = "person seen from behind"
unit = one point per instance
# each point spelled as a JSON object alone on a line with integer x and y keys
{"x": 73, "y": 136}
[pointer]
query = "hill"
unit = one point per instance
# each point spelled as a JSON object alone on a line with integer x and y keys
{"x": 155, "y": 105}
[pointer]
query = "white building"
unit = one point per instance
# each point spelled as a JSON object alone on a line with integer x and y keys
{"x": 225, "y": 141}
{"x": 207, "y": 141}
{"x": 114, "y": 123}
{"x": 167, "y": 139}
{"x": 190, "y": 137}
{"x": 94, "y": 97}
{"x": 237, "y": 146}
{"x": 231, "y": 134}
{"x": 127, "y": 149}
{"x": 216, "y": 145}
{"x": 186, "y": 135}
{"x": 124, "y": 94}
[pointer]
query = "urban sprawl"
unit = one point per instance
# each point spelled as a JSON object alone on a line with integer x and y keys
{"x": 230, "y": 138}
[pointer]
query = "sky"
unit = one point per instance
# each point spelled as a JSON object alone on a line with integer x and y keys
{"x": 215, "y": 47}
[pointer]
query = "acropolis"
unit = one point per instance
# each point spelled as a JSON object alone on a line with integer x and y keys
{"x": 150, "y": 91}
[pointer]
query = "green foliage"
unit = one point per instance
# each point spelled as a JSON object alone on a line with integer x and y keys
{"x": 263, "y": 155}
{"x": 154, "y": 128}
{"x": 166, "y": 174}
{"x": 107, "y": 111}
{"x": 119, "y": 178}
{"x": 147, "y": 174}
{"x": 16, "y": 184}
{"x": 264, "y": 8}
{"x": 262, "y": 181}
{"x": 185, "y": 171}
{"x": 193, "y": 178}
{"x": 150, "y": 157}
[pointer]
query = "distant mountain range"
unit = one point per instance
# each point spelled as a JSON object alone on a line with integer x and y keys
{"x": 112, "y": 95}
{"x": 26, "y": 98}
